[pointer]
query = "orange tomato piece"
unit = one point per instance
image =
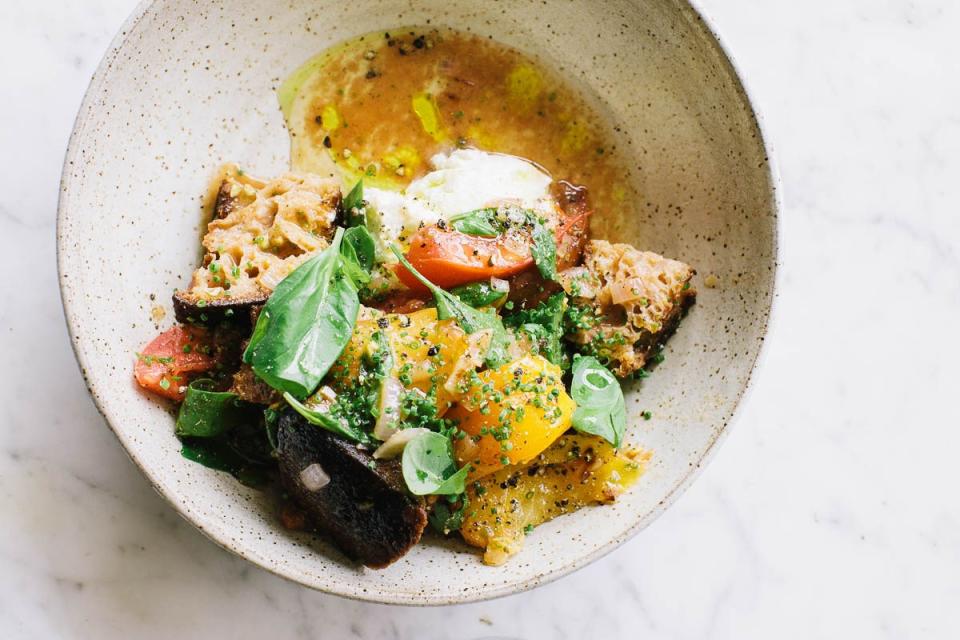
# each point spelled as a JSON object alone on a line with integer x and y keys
{"x": 511, "y": 414}
{"x": 449, "y": 258}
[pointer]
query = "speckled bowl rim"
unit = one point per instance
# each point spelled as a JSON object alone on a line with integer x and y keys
{"x": 351, "y": 591}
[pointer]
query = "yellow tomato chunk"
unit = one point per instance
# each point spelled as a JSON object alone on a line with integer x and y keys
{"x": 577, "y": 470}
{"x": 511, "y": 414}
{"x": 427, "y": 353}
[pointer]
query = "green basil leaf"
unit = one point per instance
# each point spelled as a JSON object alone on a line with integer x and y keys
{"x": 480, "y": 222}
{"x": 470, "y": 320}
{"x": 608, "y": 425}
{"x": 593, "y": 385}
{"x": 215, "y": 453}
{"x": 359, "y": 252}
{"x": 362, "y": 245}
{"x": 601, "y": 409}
{"x": 479, "y": 294}
{"x": 206, "y": 413}
{"x": 353, "y": 206}
{"x": 444, "y": 519}
{"x": 328, "y": 422}
{"x": 305, "y": 324}
{"x": 497, "y": 354}
{"x": 544, "y": 251}
{"x": 429, "y": 467}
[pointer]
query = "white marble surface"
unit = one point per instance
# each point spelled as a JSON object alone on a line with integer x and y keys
{"x": 830, "y": 512}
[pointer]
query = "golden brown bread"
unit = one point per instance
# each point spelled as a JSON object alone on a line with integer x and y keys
{"x": 260, "y": 231}
{"x": 633, "y": 299}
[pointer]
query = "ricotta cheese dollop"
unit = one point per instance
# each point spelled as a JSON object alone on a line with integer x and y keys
{"x": 461, "y": 181}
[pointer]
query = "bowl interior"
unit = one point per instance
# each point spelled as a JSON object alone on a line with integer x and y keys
{"x": 188, "y": 86}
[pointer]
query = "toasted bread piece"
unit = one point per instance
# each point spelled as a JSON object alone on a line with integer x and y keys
{"x": 634, "y": 300}
{"x": 259, "y": 232}
{"x": 365, "y": 507}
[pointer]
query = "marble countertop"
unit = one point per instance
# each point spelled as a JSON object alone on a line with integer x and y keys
{"x": 829, "y": 512}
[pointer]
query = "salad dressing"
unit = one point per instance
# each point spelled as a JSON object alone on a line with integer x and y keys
{"x": 381, "y": 105}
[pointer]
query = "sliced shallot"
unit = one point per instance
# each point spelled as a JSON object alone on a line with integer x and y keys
{"x": 391, "y": 395}
{"x": 394, "y": 445}
{"x": 314, "y": 478}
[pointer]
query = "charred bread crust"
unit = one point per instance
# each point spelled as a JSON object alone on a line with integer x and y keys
{"x": 193, "y": 309}
{"x": 653, "y": 343}
{"x": 365, "y": 508}
{"x": 225, "y": 203}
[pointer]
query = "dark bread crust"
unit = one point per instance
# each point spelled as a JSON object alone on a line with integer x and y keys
{"x": 366, "y": 508}
{"x": 225, "y": 204}
{"x": 195, "y": 310}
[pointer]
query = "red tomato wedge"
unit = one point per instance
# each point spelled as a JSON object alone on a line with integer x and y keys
{"x": 166, "y": 365}
{"x": 450, "y": 258}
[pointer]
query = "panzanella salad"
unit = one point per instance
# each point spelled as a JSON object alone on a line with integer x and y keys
{"x": 414, "y": 327}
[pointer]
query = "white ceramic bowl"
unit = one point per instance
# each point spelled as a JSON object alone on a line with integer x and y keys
{"x": 189, "y": 85}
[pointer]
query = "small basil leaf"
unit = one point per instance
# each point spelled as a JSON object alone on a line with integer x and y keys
{"x": 544, "y": 251}
{"x": 206, "y": 413}
{"x": 470, "y": 320}
{"x": 429, "y": 467}
{"x": 358, "y": 251}
{"x": 479, "y": 294}
{"x": 481, "y": 222}
{"x": 593, "y": 385}
{"x": 605, "y": 424}
{"x": 363, "y": 247}
{"x": 353, "y": 206}
{"x": 601, "y": 409}
{"x": 305, "y": 324}
{"x": 328, "y": 422}
{"x": 454, "y": 484}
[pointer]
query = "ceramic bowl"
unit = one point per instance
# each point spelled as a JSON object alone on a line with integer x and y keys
{"x": 189, "y": 85}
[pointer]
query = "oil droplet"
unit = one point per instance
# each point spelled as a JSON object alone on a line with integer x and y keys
{"x": 330, "y": 118}
{"x": 524, "y": 86}
{"x": 426, "y": 109}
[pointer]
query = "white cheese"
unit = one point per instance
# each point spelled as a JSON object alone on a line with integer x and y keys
{"x": 464, "y": 180}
